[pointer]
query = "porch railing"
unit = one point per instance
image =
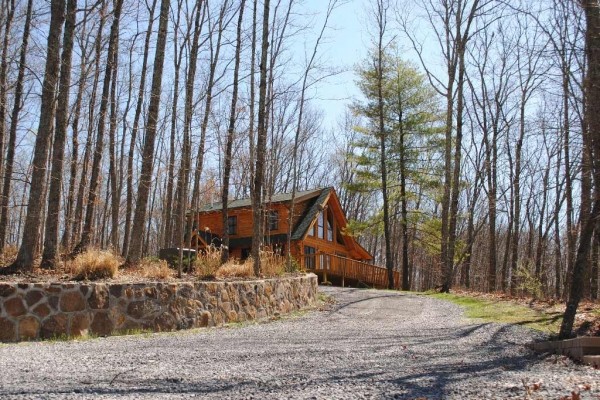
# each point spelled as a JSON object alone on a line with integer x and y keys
{"x": 332, "y": 265}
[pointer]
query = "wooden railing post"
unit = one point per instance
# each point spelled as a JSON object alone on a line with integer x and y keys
{"x": 343, "y": 271}
{"x": 322, "y": 262}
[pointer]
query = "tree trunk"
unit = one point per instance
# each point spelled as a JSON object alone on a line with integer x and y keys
{"x": 50, "y": 253}
{"x": 135, "y": 251}
{"x": 12, "y": 136}
{"x": 261, "y": 142}
{"x": 184, "y": 169}
{"x": 33, "y": 220}
{"x": 169, "y": 215}
{"x": 87, "y": 153}
{"x": 215, "y": 52}
{"x": 134, "y": 131}
{"x": 86, "y": 234}
{"x": 10, "y": 13}
{"x": 230, "y": 135}
{"x": 68, "y": 226}
{"x": 592, "y": 117}
{"x": 112, "y": 169}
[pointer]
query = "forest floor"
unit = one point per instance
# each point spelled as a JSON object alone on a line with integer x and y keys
{"x": 372, "y": 344}
{"x": 544, "y": 315}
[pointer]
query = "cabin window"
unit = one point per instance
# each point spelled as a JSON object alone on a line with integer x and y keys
{"x": 309, "y": 257}
{"x": 273, "y": 220}
{"x": 232, "y": 225}
{"x": 320, "y": 226}
{"x": 329, "y": 226}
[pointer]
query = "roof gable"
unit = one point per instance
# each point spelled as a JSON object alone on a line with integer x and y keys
{"x": 310, "y": 215}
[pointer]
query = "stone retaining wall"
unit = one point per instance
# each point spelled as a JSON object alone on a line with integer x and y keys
{"x": 46, "y": 310}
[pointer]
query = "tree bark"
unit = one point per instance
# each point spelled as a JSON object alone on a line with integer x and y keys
{"x": 261, "y": 142}
{"x": 135, "y": 251}
{"x": 33, "y": 220}
{"x": 134, "y": 132}
{"x": 50, "y": 254}
{"x": 591, "y": 9}
{"x": 86, "y": 234}
{"x": 12, "y": 135}
{"x": 230, "y": 135}
{"x": 10, "y": 13}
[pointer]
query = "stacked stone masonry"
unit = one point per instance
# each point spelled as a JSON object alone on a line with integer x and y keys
{"x": 31, "y": 311}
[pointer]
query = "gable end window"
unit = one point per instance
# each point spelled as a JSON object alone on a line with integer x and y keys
{"x": 320, "y": 226}
{"x": 329, "y": 226}
{"x": 273, "y": 220}
{"x": 232, "y": 225}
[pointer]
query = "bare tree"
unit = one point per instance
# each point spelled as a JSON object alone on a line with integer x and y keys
{"x": 33, "y": 221}
{"x": 261, "y": 142}
{"x": 134, "y": 132}
{"x": 86, "y": 234}
{"x": 591, "y": 9}
{"x": 50, "y": 253}
{"x": 230, "y": 134}
{"x": 135, "y": 250}
{"x": 12, "y": 136}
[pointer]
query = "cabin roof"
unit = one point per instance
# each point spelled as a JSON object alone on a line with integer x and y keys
{"x": 276, "y": 198}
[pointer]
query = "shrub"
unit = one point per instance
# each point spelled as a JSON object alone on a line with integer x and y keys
{"x": 207, "y": 263}
{"x": 154, "y": 268}
{"x": 528, "y": 282}
{"x": 96, "y": 264}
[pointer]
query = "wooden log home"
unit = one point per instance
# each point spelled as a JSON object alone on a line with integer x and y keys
{"x": 318, "y": 241}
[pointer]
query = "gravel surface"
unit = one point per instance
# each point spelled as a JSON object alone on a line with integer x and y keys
{"x": 369, "y": 344}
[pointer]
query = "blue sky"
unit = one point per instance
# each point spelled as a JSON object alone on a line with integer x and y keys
{"x": 346, "y": 44}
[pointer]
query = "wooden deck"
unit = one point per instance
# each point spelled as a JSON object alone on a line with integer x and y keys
{"x": 347, "y": 271}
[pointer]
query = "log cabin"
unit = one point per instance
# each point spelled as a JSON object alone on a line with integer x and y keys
{"x": 318, "y": 230}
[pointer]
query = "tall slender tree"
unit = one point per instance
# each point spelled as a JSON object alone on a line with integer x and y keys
{"x": 261, "y": 143}
{"x": 591, "y": 9}
{"x": 230, "y": 133}
{"x": 33, "y": 221}
{"x": 12, "y": 135}
{"x": 50, "y": 252}
{"x": 139, "y": 219}
{"x": 86, "y": 234}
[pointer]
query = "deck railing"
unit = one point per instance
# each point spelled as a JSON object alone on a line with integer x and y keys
{"x": 330, "y": 265}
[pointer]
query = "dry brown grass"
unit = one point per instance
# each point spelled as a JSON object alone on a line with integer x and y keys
{"x": 271, "y": 265}
{"x": 153, "y": 268}
{"x": 233, "y": 269}
{"x": 95, "y": 264}
{"x": 9, "y": 255}
{"x": 207, "y": 263}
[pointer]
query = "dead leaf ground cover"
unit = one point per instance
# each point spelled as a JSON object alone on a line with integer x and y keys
{"x": 542, "y": 315}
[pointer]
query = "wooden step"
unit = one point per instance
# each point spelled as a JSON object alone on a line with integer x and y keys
{"x": 594, "y": 361}
{"x": 575, "y": 348}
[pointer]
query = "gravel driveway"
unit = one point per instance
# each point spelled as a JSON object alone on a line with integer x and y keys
{"x": 370, "y": 344}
